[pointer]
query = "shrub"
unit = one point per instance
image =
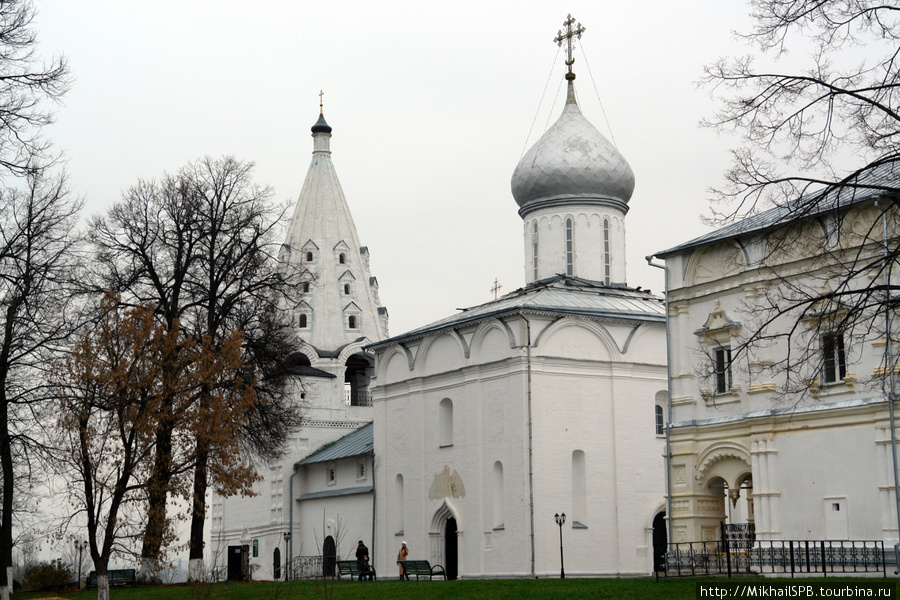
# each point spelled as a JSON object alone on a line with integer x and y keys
{"x": 47, "y": 575}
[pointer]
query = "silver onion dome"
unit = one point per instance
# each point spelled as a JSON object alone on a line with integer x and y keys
{"x": 572, "y": 163}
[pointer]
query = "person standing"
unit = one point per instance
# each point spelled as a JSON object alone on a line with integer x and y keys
{"x": 362, "y": 559}
{"x": 404, "y": 552}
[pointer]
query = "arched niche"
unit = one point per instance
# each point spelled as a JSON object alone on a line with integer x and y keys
{"x": 578, "y": 339}
{"x": 395, "y": 365}
{"x": 714, "y": 262}
{"x": 440, "y": 354}
{"x": 492, "y": 341}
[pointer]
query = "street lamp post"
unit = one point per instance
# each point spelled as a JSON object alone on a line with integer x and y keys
{"x": 80, "y": 547}
{"x": 560, "y": 519}
{"x": 287, "y": 543}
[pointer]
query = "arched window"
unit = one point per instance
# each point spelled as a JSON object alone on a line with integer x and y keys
{"x": 302, "y": 322}
{"x": 497, "y": 490}
{"x": 309, "y": 257}
{"x": 570, "y": 249}
{"x": 276, "y": 563}
{"x": 351, "y": 322}
{"x": 398, "y": 505}
{"x": 445, "y": 420}
{"x": 342, "y": 258}
{"x": 661, "y": 400}
{"x": 579, "y": 489}
{"x": 346, "y": 289}
{"x": 606, "y": 251}
{"x": 534, "y": 250}
{"x": 305, "y": 287}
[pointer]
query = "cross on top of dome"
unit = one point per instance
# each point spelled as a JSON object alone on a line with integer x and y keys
{"x": 567, "y": 37}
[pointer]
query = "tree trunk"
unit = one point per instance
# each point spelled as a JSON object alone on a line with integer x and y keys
{"x": 198, "y": 511}
{"x": 6, "y": 539}
{"x": 102, "y": 585}
{"x": 158, "y": 491}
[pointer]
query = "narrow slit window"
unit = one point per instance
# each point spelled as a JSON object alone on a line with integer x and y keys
{"x": 606, "y": 251}
{"x": 570, "y": 249}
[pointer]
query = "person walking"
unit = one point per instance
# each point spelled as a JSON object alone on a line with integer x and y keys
{"x": 404, "y": 552}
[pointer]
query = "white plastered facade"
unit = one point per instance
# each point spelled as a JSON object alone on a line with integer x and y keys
{"x": 811, "y": 466}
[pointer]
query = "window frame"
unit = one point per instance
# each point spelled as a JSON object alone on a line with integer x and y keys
{"x": 834, "y": 358}
{"x": 722, "y": 369}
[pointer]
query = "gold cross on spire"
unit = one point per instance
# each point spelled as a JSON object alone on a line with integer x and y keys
{"x": 570, "y": 43}
{"x": 496, "y": 288}
{"x": 321, "y": 93}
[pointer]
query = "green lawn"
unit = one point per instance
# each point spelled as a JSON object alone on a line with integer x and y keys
{"x": 512, "y": 589}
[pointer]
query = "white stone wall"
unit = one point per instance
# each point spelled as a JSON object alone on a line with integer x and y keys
{"x": 599, "y": 400}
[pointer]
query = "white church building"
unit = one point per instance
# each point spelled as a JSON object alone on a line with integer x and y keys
{"x": 470, "y": 437}
{"x": 541, "y": 402}
{"x": 318, "y": 500}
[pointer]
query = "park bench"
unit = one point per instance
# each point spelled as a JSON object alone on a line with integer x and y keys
{"x": 351, "y": 568}
{"x": 116, "y": 577}
{"x": 422, "y": 568}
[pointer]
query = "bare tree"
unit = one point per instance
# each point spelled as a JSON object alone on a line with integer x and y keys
{"x": 816, "y": 177}
{"x": 145, "y": 248}
{"x": 201, "y": 246}
{"x": 25, "y": 86}
{"x": 36, "y": 263}
{"x": 236, "y": 287}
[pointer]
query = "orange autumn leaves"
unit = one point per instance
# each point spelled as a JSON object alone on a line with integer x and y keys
{"x": 118, "y": 382}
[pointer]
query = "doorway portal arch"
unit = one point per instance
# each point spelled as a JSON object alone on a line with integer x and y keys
{"x": 445, "y": 533}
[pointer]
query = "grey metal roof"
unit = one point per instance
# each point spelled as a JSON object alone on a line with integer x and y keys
{"x": 367, "y": 489}
{"x": 355, "y": 443}
{"x": 870, "y": 184}
{"x": 559, "y": 294}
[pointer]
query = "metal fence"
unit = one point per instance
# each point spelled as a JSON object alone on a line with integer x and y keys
{"x": 782, "y": 557}
{"x": 305, "y": 567}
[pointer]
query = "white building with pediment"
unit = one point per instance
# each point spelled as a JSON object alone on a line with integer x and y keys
{"x": 806, "y": 458}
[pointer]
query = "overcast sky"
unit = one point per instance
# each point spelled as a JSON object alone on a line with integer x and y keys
{"x": 431, "y": 106}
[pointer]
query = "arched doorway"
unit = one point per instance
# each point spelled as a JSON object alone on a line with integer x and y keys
{"x": 451, "y": 549}
{"x": 276, "y": 563}
{"x": 659, "y": 542}
{"x": 329, "y": 555}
